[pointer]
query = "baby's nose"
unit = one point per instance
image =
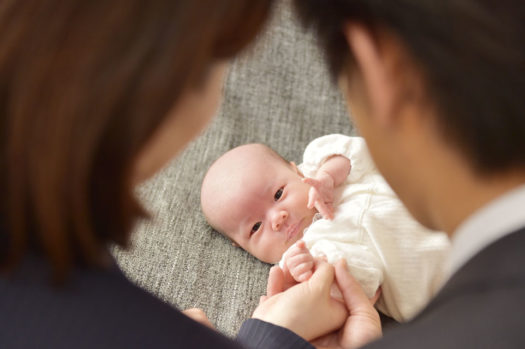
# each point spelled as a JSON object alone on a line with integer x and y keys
{"x": 279, "y": 219}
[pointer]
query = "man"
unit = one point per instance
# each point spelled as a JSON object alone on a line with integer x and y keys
{"x": 436, "y": 88}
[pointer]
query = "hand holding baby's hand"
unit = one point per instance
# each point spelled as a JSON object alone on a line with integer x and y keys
{"x": 299, "y": 262}
{"x": 198, "y": 315}
{"x": 321, "y": 194}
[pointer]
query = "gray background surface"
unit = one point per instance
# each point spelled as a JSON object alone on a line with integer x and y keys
{"x": 279, "y": 93}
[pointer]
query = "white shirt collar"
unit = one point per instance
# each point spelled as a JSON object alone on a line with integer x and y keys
{"x": 498, "y": 218}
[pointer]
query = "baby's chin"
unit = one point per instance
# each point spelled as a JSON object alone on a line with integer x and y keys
{"x": 289, "y": 244}
{"x": 296, "y": 238}
{"x": 277, "y": 254}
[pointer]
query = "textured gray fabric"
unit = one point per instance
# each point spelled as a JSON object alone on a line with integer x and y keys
{"x": 278, "y": 93}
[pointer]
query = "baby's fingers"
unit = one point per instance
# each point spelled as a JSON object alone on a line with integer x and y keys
{"x": 302, "y": 258}
{"x": 311, "y": 181}
{"x": 302, "y": 271}
{"x": 304, "y": 276}
{"x": 301, "y": 245}
{"x": 312, "y": 197}
{"x": 297, "y": 249}
{"x": 326, "y": 210}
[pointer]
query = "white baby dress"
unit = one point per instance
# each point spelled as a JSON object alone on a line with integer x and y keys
{"x": 383, "y": 245}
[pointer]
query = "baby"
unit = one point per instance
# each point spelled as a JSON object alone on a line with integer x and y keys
{"x": 339, "y": 205}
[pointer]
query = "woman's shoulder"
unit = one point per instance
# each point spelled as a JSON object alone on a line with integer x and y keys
{"x": 95, "y": 308}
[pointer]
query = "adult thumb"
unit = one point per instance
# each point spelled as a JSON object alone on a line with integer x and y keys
{"x": 323, "y": 276}
{"x": 353, "y": 294}
{"x": 275, "y": 282}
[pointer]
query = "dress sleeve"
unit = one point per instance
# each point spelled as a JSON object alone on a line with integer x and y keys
{"x": 362, "y": 263}
{"x": 258, "y": 334}
{"x": 354, "y": 148}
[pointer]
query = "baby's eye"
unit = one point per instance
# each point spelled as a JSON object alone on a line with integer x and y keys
{"x": 278, "y": 194}
{"x": 255, "y": 227}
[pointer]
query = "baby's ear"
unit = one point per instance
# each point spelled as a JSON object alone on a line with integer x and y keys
{"x": 296, "y": 169}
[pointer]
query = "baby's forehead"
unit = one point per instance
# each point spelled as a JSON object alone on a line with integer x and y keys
{"x": 233, "y": 205}
{"x": 253, "y": 151}
{"x": 237, "y": 178}
{"x": 250, "y": 158}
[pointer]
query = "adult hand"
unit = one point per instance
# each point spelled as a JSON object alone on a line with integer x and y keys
{"x": 305, "y": 308}
{"x": 198, "y": 315}
{"x": 362, "y": 325}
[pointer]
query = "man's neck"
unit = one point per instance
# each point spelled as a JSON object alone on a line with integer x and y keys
{"x": 451, "y": 189}
{"x": 463, "y": 192}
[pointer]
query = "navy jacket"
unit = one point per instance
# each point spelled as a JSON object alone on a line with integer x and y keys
{"x": 103, "y": 309}
{"x": 481, "y": 306}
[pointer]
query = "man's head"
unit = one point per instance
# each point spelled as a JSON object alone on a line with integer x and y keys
{"x": 436, "y": 89}
{"x": 257, "y": 199}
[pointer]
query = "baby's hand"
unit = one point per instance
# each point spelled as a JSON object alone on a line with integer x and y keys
{"x": 299, "y": 262}
{"x": 321, "y": 195}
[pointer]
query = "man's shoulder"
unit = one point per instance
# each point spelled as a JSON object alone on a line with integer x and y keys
{"x": 484, "y": 319}
{"x": 480, "y": 307}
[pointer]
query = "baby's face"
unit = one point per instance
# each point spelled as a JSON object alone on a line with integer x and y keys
{"x": 265, "y": 211}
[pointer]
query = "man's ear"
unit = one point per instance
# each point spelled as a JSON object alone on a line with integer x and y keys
{"x": 374, "y": 67}
{"x": 296, "y": 169}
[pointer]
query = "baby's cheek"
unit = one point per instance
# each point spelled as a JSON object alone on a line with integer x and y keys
{"x": 274, "y": 254}
{"x": 305, "y": 191}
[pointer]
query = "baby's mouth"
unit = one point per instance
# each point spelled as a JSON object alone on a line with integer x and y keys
{"x": 292, "y": 230}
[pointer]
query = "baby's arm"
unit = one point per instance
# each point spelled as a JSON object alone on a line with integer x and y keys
{"x": 299, "y": 262}
{"x": 331, "y": 174}
{"x": 337, "y": 167}
{"x": 299, "y": 265}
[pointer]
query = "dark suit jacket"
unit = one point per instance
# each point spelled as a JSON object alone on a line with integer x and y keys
{"x": 481, "y": 306}
{"x": 103, "y": 309}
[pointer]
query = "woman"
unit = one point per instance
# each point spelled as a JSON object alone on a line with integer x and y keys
{"x": 96, "y": 96}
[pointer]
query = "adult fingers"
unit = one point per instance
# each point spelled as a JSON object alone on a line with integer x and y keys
{"x": 353, "y": 295}
{"x": 198, "y": 315}
{"x": 323, "y": 276}
{"x": 275, "y": 281}
{"x": 363, "y": 324}
{"x": 374, "y": 299}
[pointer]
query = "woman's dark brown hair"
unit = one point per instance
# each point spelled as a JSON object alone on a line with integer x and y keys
{"x": 471, "y": 54}
{"x": 83, "y": 87}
